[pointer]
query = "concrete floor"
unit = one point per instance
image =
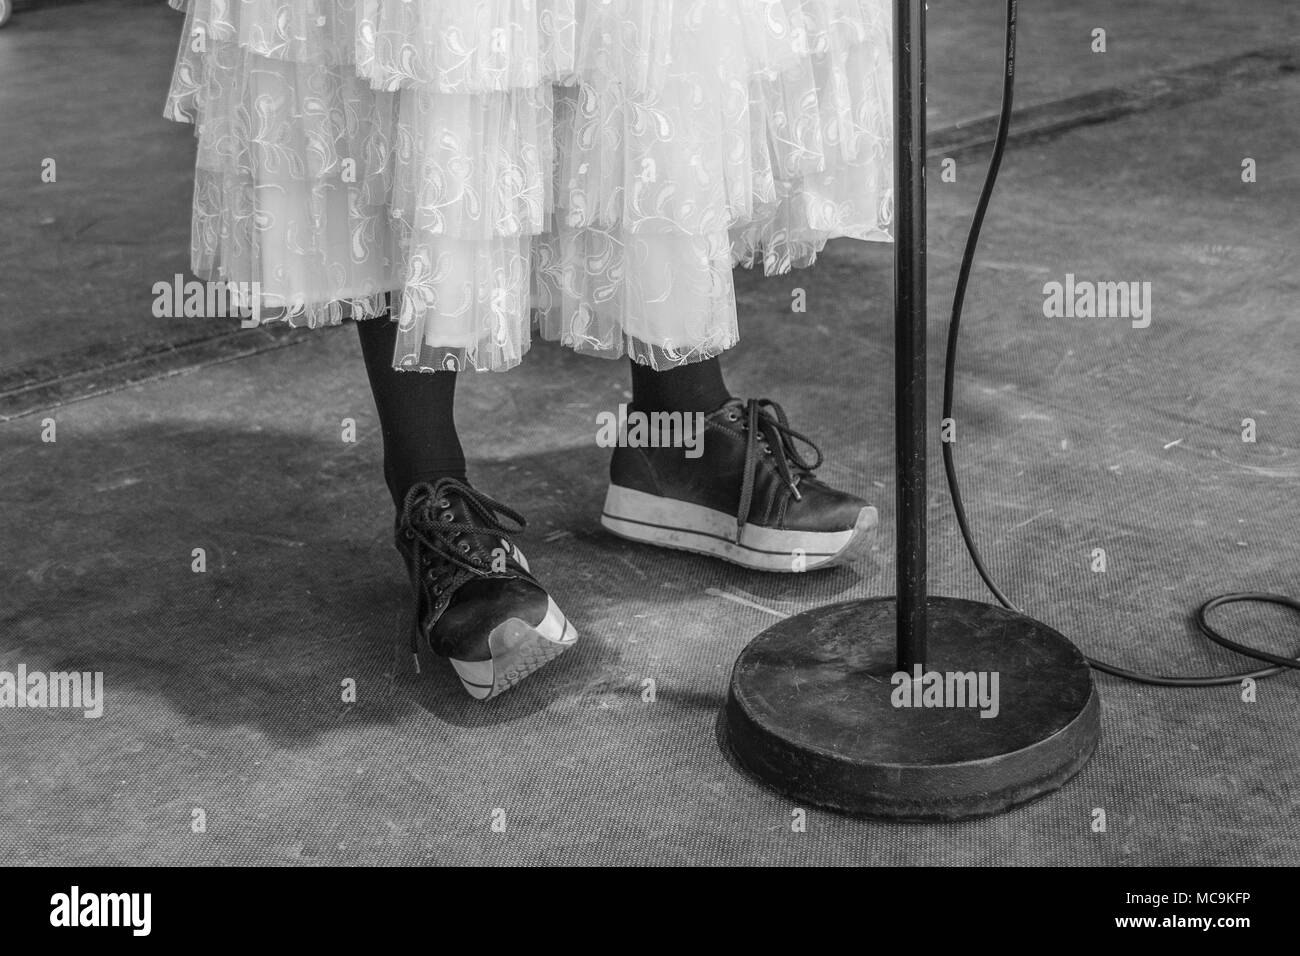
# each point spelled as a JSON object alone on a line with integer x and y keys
{"x": 223, "y": 688}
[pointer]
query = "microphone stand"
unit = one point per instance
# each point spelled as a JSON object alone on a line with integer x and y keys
{"x": 910, "y": 707}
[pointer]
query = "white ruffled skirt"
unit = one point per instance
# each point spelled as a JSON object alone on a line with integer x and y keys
{"x": 593, "y": 169}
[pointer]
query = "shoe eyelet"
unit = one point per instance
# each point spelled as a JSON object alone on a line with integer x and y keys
{"x": 464, "y": 547}
{"x": 444, "y": 503}
{"x": 447, "y": 517}
{"x": 409, "y": 534}
{"x": 733, "y": 417}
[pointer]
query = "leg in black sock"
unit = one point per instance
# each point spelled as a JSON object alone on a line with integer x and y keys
{"x": 416, "y": 412}
{"x": 697, "y": 387}
{"x": 497, "y": 624}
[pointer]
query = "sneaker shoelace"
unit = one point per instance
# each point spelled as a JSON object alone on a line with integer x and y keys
{"x": 768, "y": 433}
{"x": 437, "y": 537}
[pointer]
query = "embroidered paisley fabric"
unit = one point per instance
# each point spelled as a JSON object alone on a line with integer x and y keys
{"x": 593, "y": 169}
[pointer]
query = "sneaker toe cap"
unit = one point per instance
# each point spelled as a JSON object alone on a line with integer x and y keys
{"x": 462, "y": 631}
{"x": 825, "y": 509}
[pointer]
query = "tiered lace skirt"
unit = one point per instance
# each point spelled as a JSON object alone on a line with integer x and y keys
{"x": 589, "y": 170}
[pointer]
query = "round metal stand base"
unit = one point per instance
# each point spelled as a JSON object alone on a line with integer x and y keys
{"x": 1004, "y": 712}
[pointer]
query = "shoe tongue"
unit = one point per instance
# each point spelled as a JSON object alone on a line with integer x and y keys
{"x": 454, "y": 492}
{"x": 485, "y": 537}
{"x": 482, "y": 538}
{"x": 449, "y": 486}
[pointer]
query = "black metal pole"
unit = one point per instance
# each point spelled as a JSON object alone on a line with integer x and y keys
{"x": 805, "y": 716}
{"x": 910, "y": 326}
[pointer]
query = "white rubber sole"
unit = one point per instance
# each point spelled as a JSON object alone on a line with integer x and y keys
{"x": 518, "y": 649}
{"x": 669, "y": 523}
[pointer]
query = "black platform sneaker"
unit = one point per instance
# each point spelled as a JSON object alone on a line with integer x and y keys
{"x": 749, "y": 498}
{"x": 476, "y": 602}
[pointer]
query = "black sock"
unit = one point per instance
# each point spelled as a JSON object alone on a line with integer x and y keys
{"x": 696, "y": 387}
{"x": 416, "y": 413}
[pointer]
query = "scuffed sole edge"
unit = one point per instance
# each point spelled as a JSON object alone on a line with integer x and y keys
{"x": 518, "y": 649}
{"x": 667, "y": 523}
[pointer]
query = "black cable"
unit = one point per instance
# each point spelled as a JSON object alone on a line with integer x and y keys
{"x": 949, "y": 373}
